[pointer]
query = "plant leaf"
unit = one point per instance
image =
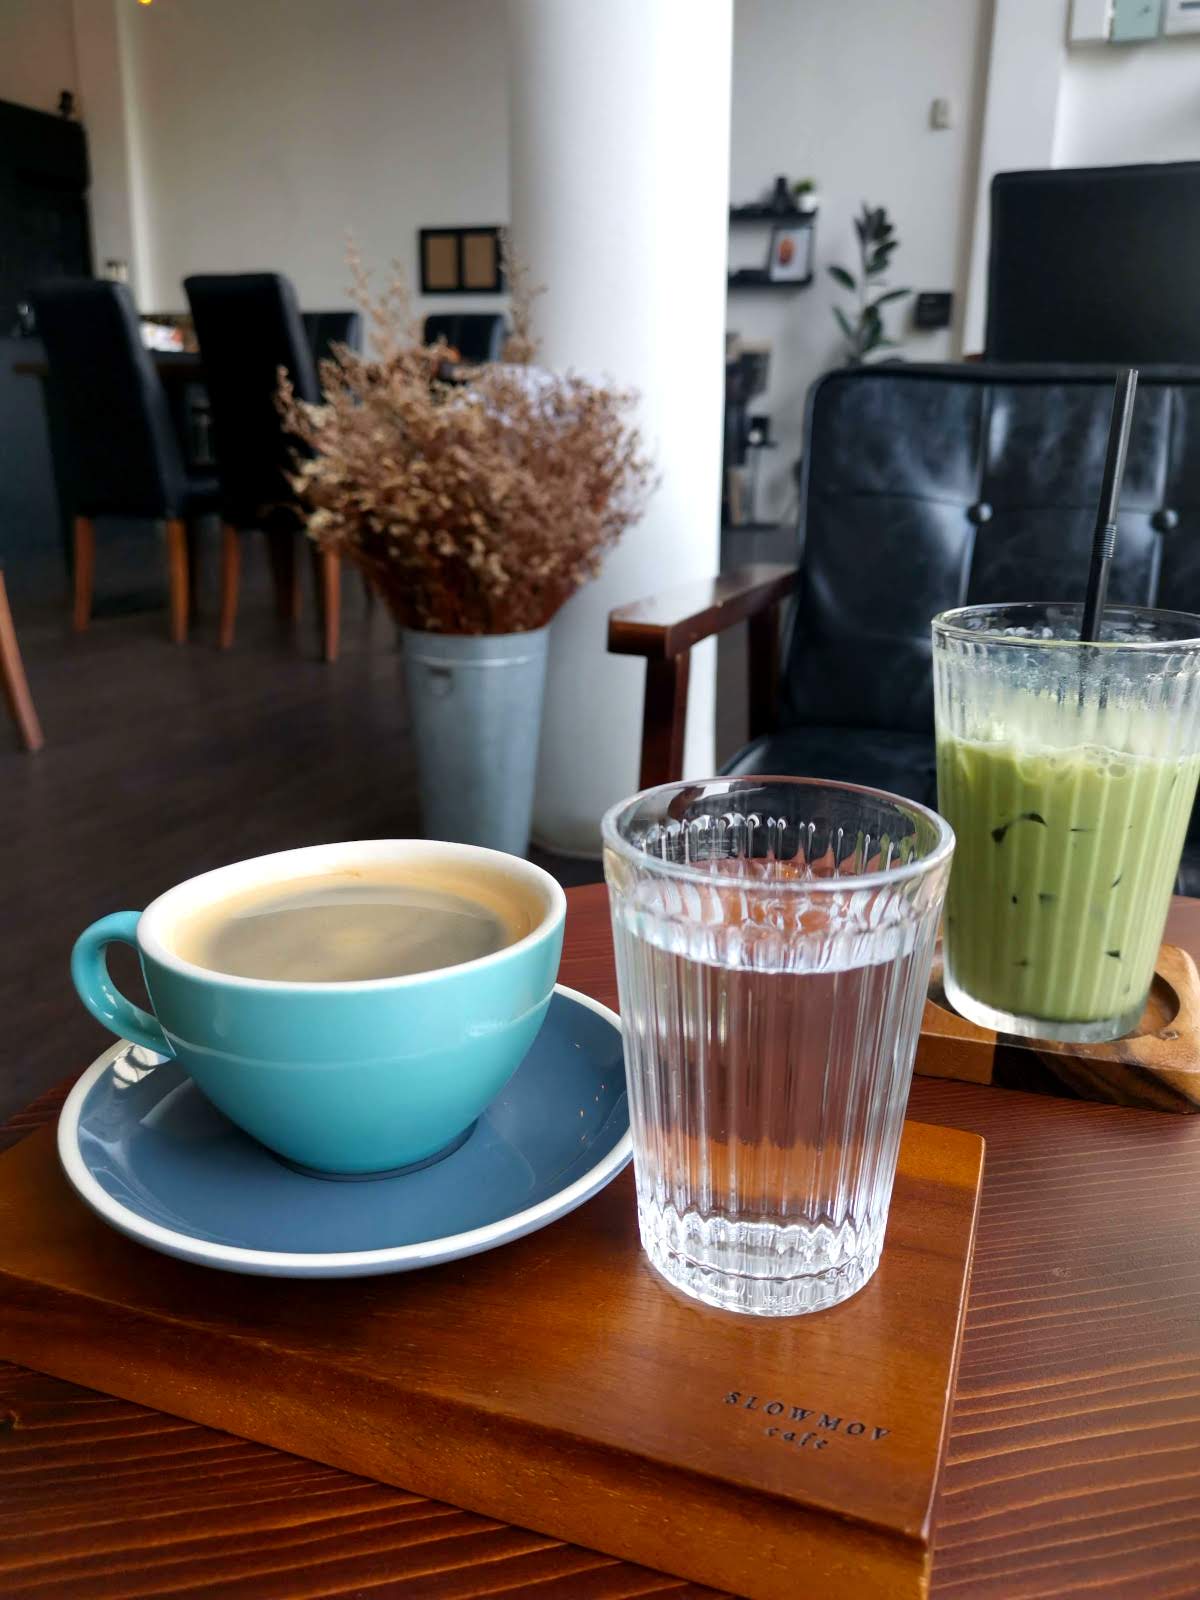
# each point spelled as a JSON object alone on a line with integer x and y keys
{"x": 844, "y": 323}
{"x": 891, "y": 294}
{"x": 879, "y": 258}
{"x": 840, "y": 275}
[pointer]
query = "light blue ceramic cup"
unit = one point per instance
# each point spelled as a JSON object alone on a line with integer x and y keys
{"x": 348, "y": 1079}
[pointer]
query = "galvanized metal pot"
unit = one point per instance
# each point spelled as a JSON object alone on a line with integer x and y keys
{"x": 476, "y": 708}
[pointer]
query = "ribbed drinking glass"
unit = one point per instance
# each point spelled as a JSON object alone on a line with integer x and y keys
{"x": 1068, "y": 771}
{"x": 774, "y": 938}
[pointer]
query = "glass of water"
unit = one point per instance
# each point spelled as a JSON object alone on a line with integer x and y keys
{"x": 774, "y": 938}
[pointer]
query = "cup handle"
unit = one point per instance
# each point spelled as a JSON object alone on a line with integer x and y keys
{"x": 89, "y": 972}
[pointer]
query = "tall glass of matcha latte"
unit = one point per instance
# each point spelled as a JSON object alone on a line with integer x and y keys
{"x": 1067, "y": 771}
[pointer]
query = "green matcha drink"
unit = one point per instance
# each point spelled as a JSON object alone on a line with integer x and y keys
{"x": 1063, "y": 873}
{"x": 1068, "y": 773}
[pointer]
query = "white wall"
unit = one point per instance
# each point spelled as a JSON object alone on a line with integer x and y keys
{"x": 37, "y": 52}
{"x": 270, "y": 127}
{"x": 235, "y": 134}
{"x": 840, "y": 91}
{"x": 1130, "y": 103}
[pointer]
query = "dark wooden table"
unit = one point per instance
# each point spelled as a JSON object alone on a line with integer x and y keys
{"x": 173, "y": 366}
{"x": 1074, "y": 1459}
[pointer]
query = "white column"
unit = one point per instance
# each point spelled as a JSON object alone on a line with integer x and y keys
{"x": 619, "y": 196}
{"x": 108, "y": 95}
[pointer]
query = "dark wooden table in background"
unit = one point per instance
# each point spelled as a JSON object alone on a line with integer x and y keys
{"x": 172, "y": 366}
{"x": 1074, "y": 1458}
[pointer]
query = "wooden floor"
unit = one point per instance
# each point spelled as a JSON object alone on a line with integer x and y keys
{"x": 162, "y": 761}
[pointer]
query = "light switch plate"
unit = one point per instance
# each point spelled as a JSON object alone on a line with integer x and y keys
{"x": 941, "y": 113}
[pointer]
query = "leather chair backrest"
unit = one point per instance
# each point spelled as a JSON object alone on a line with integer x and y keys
{"x": 1095, "y": 264}
{"x": 476, "y": 335}
{"x": 926, "y": 487}
{"x": 123, "y": 456}
{"x": 248, "y": 326}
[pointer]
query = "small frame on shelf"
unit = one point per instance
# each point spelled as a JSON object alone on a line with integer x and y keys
{"x": 790, "y": 257}
{"x": 461, "y": 261}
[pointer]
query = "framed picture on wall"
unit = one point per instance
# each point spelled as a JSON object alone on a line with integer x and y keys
{"x": 790, "y": 257}
{"x": 460, "y": 261}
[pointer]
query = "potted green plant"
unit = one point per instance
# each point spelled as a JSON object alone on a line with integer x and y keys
{"x": 805, "y": 196}
{"x": 476, "y": 501}
{"x": 863, "y": 327}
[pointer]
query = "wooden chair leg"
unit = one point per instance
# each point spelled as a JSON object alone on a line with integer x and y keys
{"x": 194, "y": 536}
{"x": 177, "y": 578}
{"x": 231, "y": 566}
{"x": 12, "y": 676}
{"x": 327, "y": 570}
{"x": 281, "y": 544}
{"x": 84, "y": 562}
{"x": 664, "y": 720}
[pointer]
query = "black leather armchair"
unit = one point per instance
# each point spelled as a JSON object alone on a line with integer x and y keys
{"x": 926, "y": 487}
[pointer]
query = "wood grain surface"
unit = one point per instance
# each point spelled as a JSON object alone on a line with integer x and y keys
{"x": 1074, "y": 1455}
{"x": 1156, "y": 1067}
{"x": 554, "y": 1383}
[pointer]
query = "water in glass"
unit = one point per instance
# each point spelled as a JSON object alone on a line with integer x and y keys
{"x": 773, "y": 957}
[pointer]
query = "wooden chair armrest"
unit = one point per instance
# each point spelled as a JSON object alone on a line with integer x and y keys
{"x": 665, "y": 628}
{"x": 671, "y": 623}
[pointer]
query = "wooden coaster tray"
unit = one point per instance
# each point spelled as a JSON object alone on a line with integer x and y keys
{"x": 556, "y": 1383}
{"x": 1156, "y": 1068}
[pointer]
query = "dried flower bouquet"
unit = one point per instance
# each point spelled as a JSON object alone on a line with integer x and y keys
{"x": 476, "y": 499}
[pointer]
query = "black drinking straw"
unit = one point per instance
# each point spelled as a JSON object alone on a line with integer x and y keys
{"x": 1105, "y": 537}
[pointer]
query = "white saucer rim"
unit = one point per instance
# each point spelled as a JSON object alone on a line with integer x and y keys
{"x": 429, "y": 1252}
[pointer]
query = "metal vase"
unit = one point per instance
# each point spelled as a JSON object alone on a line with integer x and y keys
{"x": 476, "y": 707}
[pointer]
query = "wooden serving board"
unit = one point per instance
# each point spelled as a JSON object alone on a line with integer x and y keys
{"x": 1156, "y": 1068}
{"x": 556, "y": 1383}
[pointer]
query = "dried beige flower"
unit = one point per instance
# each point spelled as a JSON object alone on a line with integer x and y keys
{"x": 476, "y": 500}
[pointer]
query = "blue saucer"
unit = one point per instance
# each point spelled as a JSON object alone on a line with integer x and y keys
{"x": 156, "y": 1160}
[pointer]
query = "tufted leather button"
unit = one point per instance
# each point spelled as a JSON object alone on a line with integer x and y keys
{"x": 979, "y": 513}
{"x": 1165, "y": 520}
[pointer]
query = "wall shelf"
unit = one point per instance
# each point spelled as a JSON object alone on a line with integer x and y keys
{"x": 756, "y": 278}
{"x": 794, "y": 219}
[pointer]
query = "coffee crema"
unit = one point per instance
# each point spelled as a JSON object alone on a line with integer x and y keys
{"x": 359, "y": 924}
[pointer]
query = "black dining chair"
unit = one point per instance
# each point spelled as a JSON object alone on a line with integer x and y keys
{"x": 325, "y": 330}
{"x": 476, "y": 335}
{"x": 248, "y": 326}
{"x": 122, "y": 454}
